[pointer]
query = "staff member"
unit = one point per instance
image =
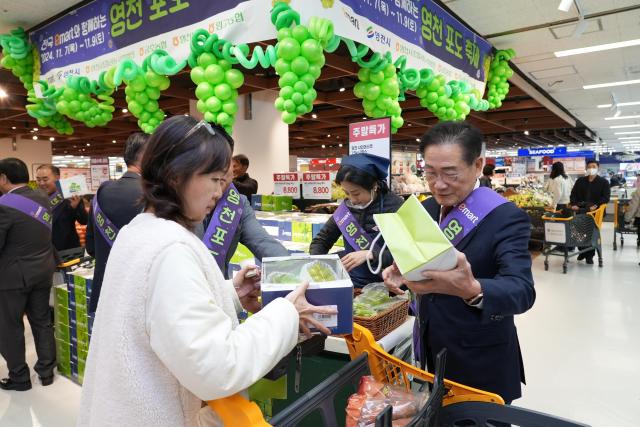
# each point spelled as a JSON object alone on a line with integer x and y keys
{"x": 587, "y": 194}
{"x": 241, "y": 179}
{"x": 246, "y": 230}
{"x": 26, "y": 272}
{"x": 469, "y": 310}
{"x": 487, "y": 173}
{"x": 118, "y": 203}
{"x": 363, "y": 179}
{"x": 65, "y": 211}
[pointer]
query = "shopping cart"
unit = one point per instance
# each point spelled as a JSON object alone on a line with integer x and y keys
{"x": 620, "y": 207}
{"x": 450, "y": 404}
{"x": 581, "y": 230}
{"x": 537, "y": 223}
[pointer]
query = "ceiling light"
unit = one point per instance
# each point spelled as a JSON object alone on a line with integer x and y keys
{"x": 565, "y": 5}
{"x": 124, "y": 111}
{"x": 629, "y": 137}
{"x": 342, "y": 89}
{"x": 35, "y": 129}
{"x": 620, "y": 83}
{"x": 314, "y": 115}
{"x": 13, "y": 127}
{"x": 364, "y": 118}
{"x": 51, "y": 138}
{"x": 623, "y": 126}
{"x": 619, "y": 104}
{"x": 88, "y": 145}
{"x": 627, "y": 133}
{"x": 328, "y": 135}
{"x": 114, "y": 141}
{"x": 417, "y": 139}
{"x": 3, "y": 94}
{"x": 526, "y": 132}
{"x": 323, "y": 146}
{"x": 623, "y": 117}
{"x": 597, "y": 48}
{"x": 35, "y": 137}
{"x": 340, "y": 145}
{"x": 186, "y": 115}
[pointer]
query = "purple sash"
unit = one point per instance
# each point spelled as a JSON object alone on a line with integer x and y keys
{"x": 27, "y": 207}
{"x": 350, "y": 229}
{"x": 108, "y": 229}
{"x": 55, "y": 199}
{"x": 223, "y": 225}
{"x": 467, "y": 215}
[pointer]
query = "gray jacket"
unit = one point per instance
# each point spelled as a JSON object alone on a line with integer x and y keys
{"x": 251, "y": 234}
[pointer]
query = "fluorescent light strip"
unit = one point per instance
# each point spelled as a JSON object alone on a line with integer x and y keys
{"x": 627, "y": 133}
{"x": 637, "y": 116}
{"x": 629, "y": 137}
{"x": 620, "y": 83}
{"x": 624, "y": 126}
{"x": 597, "y": 48}
{"x": 620, "y": 104}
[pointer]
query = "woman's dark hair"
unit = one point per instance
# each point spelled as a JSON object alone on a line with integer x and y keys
{"x": 487, "y": 170}
{"x": 173, "y": 154}
{"x": 361, "y": 178}
{"x": 557, "y": 169}
{"x": 467, "y": 136}
{"x": 15, "y": 170}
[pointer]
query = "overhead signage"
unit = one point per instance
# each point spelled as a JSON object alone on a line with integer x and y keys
{"x": 371, "y": 137}
{"x": 542, "y": 151}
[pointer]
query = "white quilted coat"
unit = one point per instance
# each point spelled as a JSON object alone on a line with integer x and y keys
{"x": 166, "y": 334}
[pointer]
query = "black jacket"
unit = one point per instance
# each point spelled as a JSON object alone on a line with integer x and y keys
{"x": 585, "y": 193}
{"x": 482, "y": 344}
{"x": 120, "y": 202}
{"x": 65, "y": 235}
{"x": 485, "y": 181}
{"x": 26, "y": 252}
{"x": 246, "y": 185}
{"x": 330, "y": 233}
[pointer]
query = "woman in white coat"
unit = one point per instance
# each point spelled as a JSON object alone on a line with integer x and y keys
{"x": 559, "y": 186}
{"x": 166, "y": 335}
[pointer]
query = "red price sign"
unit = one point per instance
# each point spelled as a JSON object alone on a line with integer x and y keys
{"x": 316, "y": 185}
{"x": 286, "y": 184}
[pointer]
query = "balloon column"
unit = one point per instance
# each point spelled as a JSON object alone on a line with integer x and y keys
{"x": 497, "y": 84}
{"x": 379, "y": 91}
{"x": 75, "y": 101}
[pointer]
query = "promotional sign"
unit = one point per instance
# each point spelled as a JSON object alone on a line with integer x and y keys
{"x": 99, "y": 172}
{"x": 102, "y": 33}
{"x": 286, "y": 184}
{"x": 403, "y": 163}
{"x": 328, "y": 164}
{"x": 70, "y": 172}
{"x": 74, "y": 186}
{"x": 316, "y": 185}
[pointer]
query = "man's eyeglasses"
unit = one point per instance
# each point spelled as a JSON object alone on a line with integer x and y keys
{"x": 447, "y": 178}
{"x": 213, "y": 130}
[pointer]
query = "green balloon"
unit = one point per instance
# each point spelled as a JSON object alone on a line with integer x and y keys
{"x": 152, "y": 92}
{"x": 204, "y": 90}
{"x": 138, "y": 84}
{"x": 363, "y": 74}
{"x": 289, "y": 105}
{"x": 128, "y": 90}
{"x": 234, "y": 77}
{"x": 226, "y": 65}
{"x": 70, "y": 94}
{"x": 300, "y": 65}
{"x": 397, "y": 122}
{"x": 152, "y": 78}
{"x": 372, "y": 92}
{"x": 302, "y": 109}
{"x": 205, "y": 59}
{"x": 315, "y": 71}
{"x": 441, "y": 112}
{"x": 164, "y": 83}
{"x": 434, "y": 85}
{"x": 279, "y": 104}
{"x": 62, "y": 107}
{"x": 377, "y": 78}
{"x": 152, "y": 107}
{"x": 223, "y": 91}
{"x": 286, "y": 92}
{"x": 432, "y": 97}
{"x": 282, "y": 66}
{"x": 300, "y": 87}
{"x": 308, "y": 79}
{"x": 75, "y": 106}
{"x": 451, "y": 113}
{"x": 145, "y": 116}
{"x": 380, "y": 103}
{"x": 224, "y": 119}
{"x": 368, "y": 104}
{"x": 358, "y": 89}
{"x": 297, "y": 98}
{"x": 300, "y": 33}
{"x": 153, "y": 122}
{"x": 377, "y": 113}
{"x": 200, "y": 105}
{"x": 86, "y": 106}
{"x": 159, "y": 115}
{"x": 390, "y": 87}
{"x": 284, "y": 33}
{"x": 288, "y": 117}
{"x": 213, "y": 104}
{"x": 312, "y": 50}
{"x": 230, "y": 108}
{"x": 309, "y": 97}
{"x": 210, "y": 117}
{"x": 422, "y": 92}
{"x": 288, "y": 79}
{"x": 142, "y": 98}
{"x": 449, "y": 103}
{"x": 214, "y": 74}
{"x": 390, "y": 71}
{"x": 424, "y": 103}
{"x": 288, "y": 48}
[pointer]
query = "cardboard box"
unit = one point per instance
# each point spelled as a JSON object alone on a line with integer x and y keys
{"x": 256, "y": 202}
{"x": 285, "y": 231}
{"x": 335, "y": 290}
{"x": 61, "y": 315}
{"x": 73, "y": 186}
{"x": 62, "y": 332}
{"x": 301, "y": 232}
{"x": 268, "y": 202}
{"x": 61, "y": 296}
{"x": 283, "y": 203}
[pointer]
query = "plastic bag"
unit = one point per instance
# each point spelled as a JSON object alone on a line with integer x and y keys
{"x": 317, "y": 271}
{"x": 373, "y": 397}
{"x": 373, "y": 300}
{"x": 282, "y": 278}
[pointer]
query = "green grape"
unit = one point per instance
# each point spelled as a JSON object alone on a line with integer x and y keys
{"x": 142, "y": 94}
{"x": 282, "y": 278}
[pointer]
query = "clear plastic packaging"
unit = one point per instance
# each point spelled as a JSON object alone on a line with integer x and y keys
{"x": 373, "y": 300}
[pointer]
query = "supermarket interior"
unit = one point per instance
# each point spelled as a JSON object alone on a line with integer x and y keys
{"x": 319, "y": 213}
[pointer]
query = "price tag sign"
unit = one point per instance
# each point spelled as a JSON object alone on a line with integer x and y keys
{"x": 286, "y": 184}
{"x": 316, "y": 185}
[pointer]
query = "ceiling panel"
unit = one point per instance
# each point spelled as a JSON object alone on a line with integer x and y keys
{"x": 28, "y": 13}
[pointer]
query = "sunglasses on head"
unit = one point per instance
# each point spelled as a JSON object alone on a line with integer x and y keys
{"x": 212, "y": 129}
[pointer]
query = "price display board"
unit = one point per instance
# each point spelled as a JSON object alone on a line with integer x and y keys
{"x": 286, "y": 184}
{"x": 316, "y": 185}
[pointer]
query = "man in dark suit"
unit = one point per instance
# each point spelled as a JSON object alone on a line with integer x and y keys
{"x": 120, "y": 201}
{"x": 65, "y": 213}
{"x": 241, "y": 179}
{"x": 469, "y": 310}
{"x": 26, "y": 272}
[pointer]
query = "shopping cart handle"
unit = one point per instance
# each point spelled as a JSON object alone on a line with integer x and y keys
{"x": 237, "y": 411}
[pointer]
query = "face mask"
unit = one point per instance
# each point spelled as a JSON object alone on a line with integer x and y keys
{"x": 366, "y": 205}
{"x": 592, "y": 171}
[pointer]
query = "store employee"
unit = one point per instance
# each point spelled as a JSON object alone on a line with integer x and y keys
{"x": 469, "y": 310}
{"x": 363, "y": 179}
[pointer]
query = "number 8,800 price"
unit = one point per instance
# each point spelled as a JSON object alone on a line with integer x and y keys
{"x": 321, "y": 190}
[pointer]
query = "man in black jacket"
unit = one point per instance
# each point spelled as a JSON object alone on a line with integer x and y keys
{"x": 26, "y": 272}
{"x": 241, "y": 179}
{"x": 120, "y": 202}
{"x": 65, "y": 212}
{"x": 588, "y": 193}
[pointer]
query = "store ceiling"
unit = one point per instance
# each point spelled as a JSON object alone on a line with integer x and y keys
{"x": 536, "y": 29}
{"x": 334, "y": 110}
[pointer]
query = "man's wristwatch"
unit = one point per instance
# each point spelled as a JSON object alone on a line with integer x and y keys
{"x": 474, "y": 301}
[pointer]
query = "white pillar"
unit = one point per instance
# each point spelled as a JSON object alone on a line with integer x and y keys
{"x": 33, "y": 153}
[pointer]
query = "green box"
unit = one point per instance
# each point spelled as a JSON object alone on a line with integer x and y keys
{"x": 80, "y": 288}
{"x": 64, "y": 368}
{"x": 62, "y": 332}
{"x": 82, "y": 316}
{"x": 268, "y": 203}
{"x": 283, "y": 203}
{"x": 61, "y": 315}
{"x": 61, "y": 296}
{"x": 83, "y": 343}
{"x": 63, "y": 351}
{"x": 301, "y": 232}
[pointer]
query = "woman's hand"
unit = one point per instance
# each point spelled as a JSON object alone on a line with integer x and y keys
{"x": 306, "y": 311}
{"x": 248, "y": 288}
{"x": 355, "y": 259}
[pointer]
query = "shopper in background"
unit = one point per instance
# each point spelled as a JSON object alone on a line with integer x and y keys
{"x": 166, "y": 334}
{"x": 26, "y": 272}
{"x": 469, "y": 310}
{"x": 588, "y": 193}
{"x": 241, "y": 179}
{"x": 65, "y": 211}
{"x": 246, "y": 230}
{"x": 614, "y": 181}
{"x": 632, "y": 215}
{"x": 487, "y": 173}
{"x": 559, "y": 186}
{"x": 118, "y": 202}
{"x": 363, "y": 179}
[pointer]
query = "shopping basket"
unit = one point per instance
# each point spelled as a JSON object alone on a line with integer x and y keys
{"x": 449, "y": 403}
{"x": 581, "y": 230}
{"x": 620, "y": 207}
{"x": 537, "y": 223}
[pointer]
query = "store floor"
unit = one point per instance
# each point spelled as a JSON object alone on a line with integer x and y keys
{"x": 580, "y": 345}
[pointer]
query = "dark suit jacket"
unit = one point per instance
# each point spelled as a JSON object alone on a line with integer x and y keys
{"x": 120, "y": 202}
{"x": 26, "y": 252}
{"x": 482, "y": 344}
{"x": 65, "y": 235}
{"x": 246, "y": 185}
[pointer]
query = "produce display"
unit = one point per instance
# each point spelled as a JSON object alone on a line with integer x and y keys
{"x": 531, "y": 197}
{"x": 315, "y": 271}
{"x": 373, "y": 300}
{"x": 408, "y": 184}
